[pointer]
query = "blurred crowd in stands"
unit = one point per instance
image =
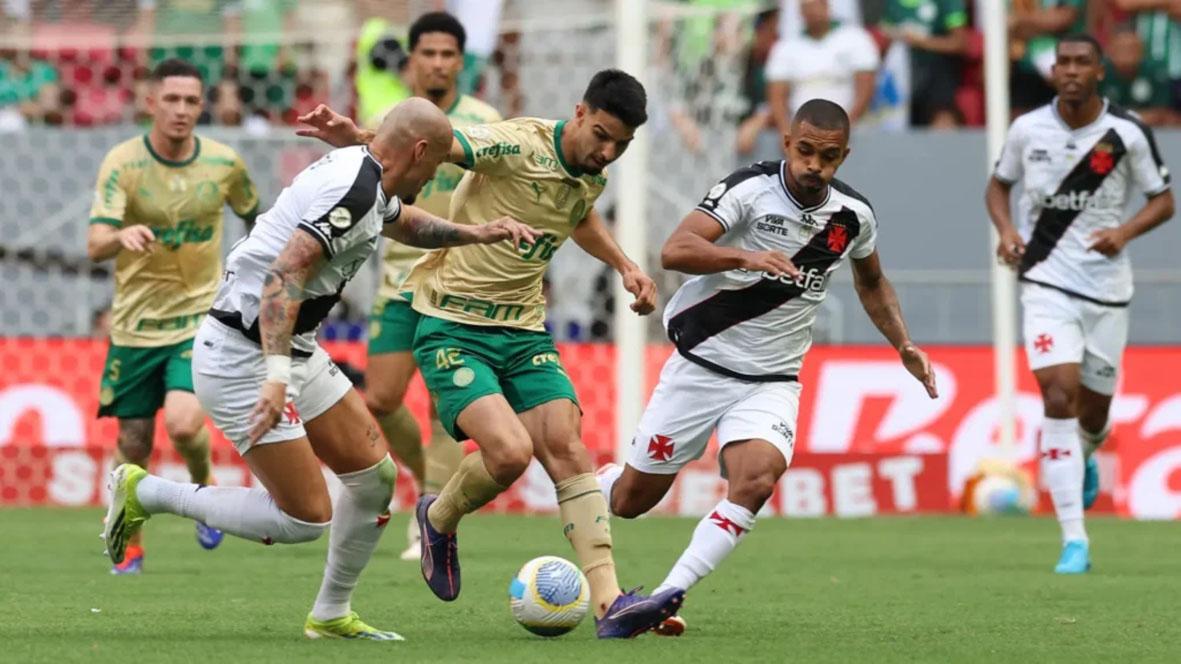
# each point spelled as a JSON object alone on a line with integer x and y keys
{"x": 265, "y": 62}
{"x": 891, "y": 63}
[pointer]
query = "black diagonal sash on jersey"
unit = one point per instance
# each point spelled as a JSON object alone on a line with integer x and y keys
{"x": 1052, "y": 223}
{"x": 728, "y": 308}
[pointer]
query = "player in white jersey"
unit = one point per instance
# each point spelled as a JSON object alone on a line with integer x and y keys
{"x": 275, "y": 393}
{"x": 764, "y": 243}
{"x": 1078, "y": 160}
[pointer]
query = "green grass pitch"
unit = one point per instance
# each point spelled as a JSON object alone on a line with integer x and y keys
{"x": 883, "y": 590}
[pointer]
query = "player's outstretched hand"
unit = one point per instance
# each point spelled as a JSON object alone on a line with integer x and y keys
{"x": 1108, "y": 242}
{"x": 643, "y": 288}
{"x": 773, "y": 263}
{"x": 271, "y": 400}
{"x": 329, "y": 126}
{"x": 1010, "y": 249}
{"x": 137, "y": 238}
{"x": 919, "y": 366}
{"x": 507, "y": 228}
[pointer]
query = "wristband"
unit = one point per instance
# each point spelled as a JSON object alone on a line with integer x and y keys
{"x": 279, "y": 369}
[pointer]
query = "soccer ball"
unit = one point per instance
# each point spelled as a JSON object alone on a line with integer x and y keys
{"x": 549, "y": 596}
{"x": 995, "y": 494}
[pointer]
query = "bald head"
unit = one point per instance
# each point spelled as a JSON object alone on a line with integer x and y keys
{"x": 413, "y": 139}
{"x": 411, "y": 121}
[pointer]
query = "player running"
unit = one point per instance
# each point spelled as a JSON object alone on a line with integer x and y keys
{"x": 764, "y": 242}
{"x": 1077, "y": 159}
{"x": 275, "y": 393}
{"x": 436, "y": 58}
{"x": 158, "y": 212}
{"x": 481, "y": 345}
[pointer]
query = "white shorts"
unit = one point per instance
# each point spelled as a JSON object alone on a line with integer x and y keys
{"x": 229, "y": 370}
{"x": 1060, "y": 329}
{"x": 691, "y": 402}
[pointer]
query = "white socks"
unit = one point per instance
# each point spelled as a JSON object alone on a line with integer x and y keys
{"x": 358, "y": 520}
{"x": 1062, "y": 474}
{"x": 247, "y": 513}
{"x": 607, "y": 476}
{"x": 713, "y": 539}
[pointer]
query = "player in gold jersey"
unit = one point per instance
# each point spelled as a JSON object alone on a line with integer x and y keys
{"x": 481, "y": 345}
{"x": 436, "y": 58}
{"x": 157, "y": 211}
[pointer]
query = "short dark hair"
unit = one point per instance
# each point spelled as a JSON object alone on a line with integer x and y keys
{"x": 176, "y": 67}
{"x": 822, "y": 114}
{"x": 620, "y": 94}
{"x": 766, "y": 16}
{"x": 437, "y": 22}
{"x": 1080, "y": 38}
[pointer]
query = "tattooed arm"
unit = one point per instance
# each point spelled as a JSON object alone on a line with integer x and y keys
{"x": 418, "y": 228}
{"x": 282, "y": 295}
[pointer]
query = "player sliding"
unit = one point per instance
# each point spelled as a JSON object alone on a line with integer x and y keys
{"x": 763, "y": 242}
{"x": 158, "y": 212}
{"x": 481, "y": 346}
{"x": 275, "y": 393}
{"x": 1077, "y": 159}
{"x": 436, "y": 58}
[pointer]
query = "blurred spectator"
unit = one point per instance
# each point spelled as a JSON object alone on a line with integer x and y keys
{"x": 1034, "y": 26}
{"x": 266, "y": 67}
{"x": 1158, "y": 23}
{"x": 709, "y": 35}
{"x": 197, "y": 31}
{"x": 792, "y": 21}
{"x": 1134, "y": 82}
{"x": 80, "y": 38}
{"x": 488, "y": 44}
{"x": 481, "y": 21}
{"x": 757, "y": 139}
{"x": 699, "y": 55}
{"x": 834, "y": 62}
{"x": 261, "y": 21}
{"x": 381, "y": 58}
{"x": 15, "y": 16}
{"x": 226, "y": 104}
{"x": 935, "y": 31}
{"x": 29, "y": 90}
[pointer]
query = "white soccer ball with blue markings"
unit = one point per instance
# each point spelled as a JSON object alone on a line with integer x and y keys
{"x": 549, "y": 596}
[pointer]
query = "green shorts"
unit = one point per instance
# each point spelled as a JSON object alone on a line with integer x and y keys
{"x": 461, "y": 363}
{"x": 136, "y": 380}
{"x": 391, "y": 327}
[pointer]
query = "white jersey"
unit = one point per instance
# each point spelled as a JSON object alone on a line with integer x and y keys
{"x": 1077, "y": 182}
{"x": 338, "y": 201}
{"x": 748, "y": 325}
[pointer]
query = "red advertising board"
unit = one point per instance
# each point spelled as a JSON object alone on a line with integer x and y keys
{"x": 895, "y": 449}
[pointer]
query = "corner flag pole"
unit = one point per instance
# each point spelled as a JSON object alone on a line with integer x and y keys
{"x": 631, "y": 231}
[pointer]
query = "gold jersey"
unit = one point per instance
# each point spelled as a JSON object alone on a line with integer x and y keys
{"x": 161, "y": 295}
{"x": 516, "y": 169}
{"x": 435, "y": 198}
